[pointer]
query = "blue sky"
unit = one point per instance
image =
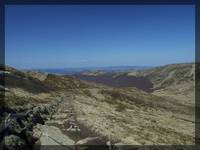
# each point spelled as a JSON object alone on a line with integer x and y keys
{"x": 62, "y": 36}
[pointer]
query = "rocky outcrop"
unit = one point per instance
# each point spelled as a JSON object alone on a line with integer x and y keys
{"x": 13, "y": 142}
{"x": 17, "y": 124}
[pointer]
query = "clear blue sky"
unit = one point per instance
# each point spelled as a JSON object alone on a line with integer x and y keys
{"x": 65, "y": 36}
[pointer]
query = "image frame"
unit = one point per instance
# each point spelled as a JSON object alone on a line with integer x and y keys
{"x": 196, "y": 4}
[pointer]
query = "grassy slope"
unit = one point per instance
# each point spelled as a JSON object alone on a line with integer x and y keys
{"x": 135, "y": 117}
{"x": 175, "y": 82}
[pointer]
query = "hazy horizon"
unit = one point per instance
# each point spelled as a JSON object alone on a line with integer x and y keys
{"x": 98, "y": 36}
{"x": 93, "y": 67}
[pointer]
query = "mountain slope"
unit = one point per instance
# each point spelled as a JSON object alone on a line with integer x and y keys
{"x": 174, "y": 81}
{"x": 127, "y": 115}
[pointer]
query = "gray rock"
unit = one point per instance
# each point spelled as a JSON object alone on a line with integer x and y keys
{"x": 13, "y": 142}
{"x": 36, "y": 110}
{"x": 29, "y": 106}
{"x": 18, "y": 108}
{"x": 37, "y": 118}
{"x": 12, "y": 125}
{"x": 44, "y": 110}
{"x": 91, "y": 141}
{"x": 50, "y": 135}
{"x": 44, "y": 116}
{"x": 30, "y": 138}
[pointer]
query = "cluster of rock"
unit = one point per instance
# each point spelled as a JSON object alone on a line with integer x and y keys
{"x": 16, "y": 128}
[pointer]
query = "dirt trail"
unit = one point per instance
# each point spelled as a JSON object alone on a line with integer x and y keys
{"x": 64, "y": 118}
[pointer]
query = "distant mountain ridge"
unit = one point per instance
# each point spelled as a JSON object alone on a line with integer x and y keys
{"x": 70, "y": 71}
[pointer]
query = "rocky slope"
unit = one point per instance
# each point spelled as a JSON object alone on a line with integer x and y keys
{"x": 79, "y": 112}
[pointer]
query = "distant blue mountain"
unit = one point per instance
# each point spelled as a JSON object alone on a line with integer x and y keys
{"x": 70, "y": 71}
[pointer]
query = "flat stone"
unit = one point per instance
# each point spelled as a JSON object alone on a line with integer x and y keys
{"x": 91, "y": 141}
{"x": 50, "y": 135}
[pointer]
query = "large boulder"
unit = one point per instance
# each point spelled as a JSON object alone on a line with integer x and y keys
{"x": 50, "y": 135}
